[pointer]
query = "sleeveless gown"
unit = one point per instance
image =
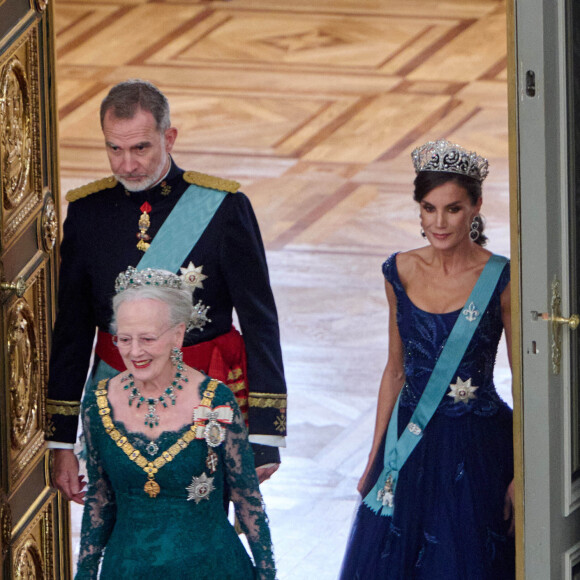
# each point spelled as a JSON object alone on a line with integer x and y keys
{"x": 448, "y": 521}
{"x": 172, "y": 535}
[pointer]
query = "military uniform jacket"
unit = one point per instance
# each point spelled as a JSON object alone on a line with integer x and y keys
{"x": 100, "y": 240}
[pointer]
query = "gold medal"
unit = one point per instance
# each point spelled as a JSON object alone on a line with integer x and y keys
{"x": 152, "y": 488}
{"x": 144, "y": 223}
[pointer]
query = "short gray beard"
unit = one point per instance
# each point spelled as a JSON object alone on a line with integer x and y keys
{"x": 146, "y": 182}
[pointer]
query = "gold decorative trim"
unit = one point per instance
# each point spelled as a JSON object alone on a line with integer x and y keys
{"x": 5, "y": 525}
{"x": 41, "y": 5}
{"x": 267, "y": 400}
{"x": 211, "y": 182}
{"x": 15, "y": 120}
{"x": 32, "y": 552}
{"x": 48, "y": 224}
{"x": 90, "y": 188}
{"x": 67, "y": 408}
{"x": 23, "y": 372}
{"x": 28, "y": 562}
{"x": 20, "y": 150}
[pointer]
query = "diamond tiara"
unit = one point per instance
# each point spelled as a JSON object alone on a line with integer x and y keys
{"x": 133, "y": 278}
{"x": 444, "y": 156}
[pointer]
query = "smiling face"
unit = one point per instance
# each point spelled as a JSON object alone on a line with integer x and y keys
{"x": 138, "y": 152}
{"x": 446, "y": 215}
{"x": 145, "y": 339}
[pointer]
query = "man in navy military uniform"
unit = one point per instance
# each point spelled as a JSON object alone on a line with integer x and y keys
{"x": 112, "y": 224}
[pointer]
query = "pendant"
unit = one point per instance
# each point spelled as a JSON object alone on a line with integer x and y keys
{"x": 144, "y": 224}
{"x": 462, "y": 392}
{"x": 212, "y": 460}
{"x": 214, "y": 433}
{"x": 200, "y": 488}
{"x": 151, "y": 417}
{"x": 152, "y": 448}
{"x": 152, "y": 488}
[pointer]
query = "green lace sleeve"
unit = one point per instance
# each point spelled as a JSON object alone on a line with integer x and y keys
{"x": 245, "y": 493}
{"x": 99, "y": 512}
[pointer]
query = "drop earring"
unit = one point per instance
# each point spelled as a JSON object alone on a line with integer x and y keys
{"x": 474, "y": 229}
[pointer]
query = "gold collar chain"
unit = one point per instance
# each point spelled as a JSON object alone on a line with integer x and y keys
{"x": 196, "y": 431}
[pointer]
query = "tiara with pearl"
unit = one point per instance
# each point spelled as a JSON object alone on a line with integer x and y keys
{"x": 444, "y": 156}
{"x": 133, "y": 278}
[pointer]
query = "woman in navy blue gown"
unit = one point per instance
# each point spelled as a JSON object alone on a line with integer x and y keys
{"x": 452, "y": 514}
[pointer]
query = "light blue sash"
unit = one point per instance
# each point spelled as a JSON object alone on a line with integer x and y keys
{"x": 397, "y": 451}
{"x": 182, "y": 228}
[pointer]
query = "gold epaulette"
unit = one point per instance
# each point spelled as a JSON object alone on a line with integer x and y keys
{"x": 93, "y": 187}
{"x": 211, "y": 182}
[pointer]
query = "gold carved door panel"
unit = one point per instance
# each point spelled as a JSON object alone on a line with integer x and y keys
{"x": 33, "y": 520}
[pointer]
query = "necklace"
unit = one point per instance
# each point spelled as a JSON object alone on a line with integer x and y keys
{"x": 151, "y": 417}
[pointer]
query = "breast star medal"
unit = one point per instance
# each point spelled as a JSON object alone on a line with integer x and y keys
{"x": 200, "y": 488}
{"x": 144, "y": 223}
{"x": 462, "y": 392}
{"x": 193, "y": 276}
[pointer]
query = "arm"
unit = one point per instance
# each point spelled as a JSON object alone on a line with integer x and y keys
{"x": 249, "y": 506}
{"x": 509, "y": 502}
{"x": 391, "y": 383}
{"x": 100, "y": 508}
{"x": 73, "y": 335}
{"x": 244, "y": 265}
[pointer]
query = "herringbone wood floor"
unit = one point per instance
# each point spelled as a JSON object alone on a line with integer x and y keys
{"x": 314, "y": 106}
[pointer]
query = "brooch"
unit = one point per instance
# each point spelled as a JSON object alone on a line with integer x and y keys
{"x": 214, "y": 433}
{"x": 462, "y": 392}
{"x": 386, "y": 495}
{"x": 200, "y": 488}
{"x": 193, "y": 276}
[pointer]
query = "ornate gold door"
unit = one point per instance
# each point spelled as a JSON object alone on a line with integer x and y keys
{"x": 33, "y": 521}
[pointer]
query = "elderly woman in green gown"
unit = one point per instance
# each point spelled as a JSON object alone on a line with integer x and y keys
{"x": 163, "y": 441}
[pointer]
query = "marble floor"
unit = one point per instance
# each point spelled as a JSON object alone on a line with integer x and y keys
{"x": 314, "y": 107}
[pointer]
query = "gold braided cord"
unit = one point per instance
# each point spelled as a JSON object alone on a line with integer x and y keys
{"x": 89, "y": 188}
{"x": 150, "y": 467}
{"x": 237, "y": 387}
{"x": 267, "y": 400}
{"x": 211, "y": 182}
{"x": 69, "y": 408}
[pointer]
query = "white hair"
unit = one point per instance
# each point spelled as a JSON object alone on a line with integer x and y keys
{"x": 179, "y": 301}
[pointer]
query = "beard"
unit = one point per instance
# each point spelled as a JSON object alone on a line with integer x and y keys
{"x": 146, "y": 181}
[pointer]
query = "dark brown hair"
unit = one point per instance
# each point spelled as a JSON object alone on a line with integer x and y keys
{"x": 427, "y": 181}
{"x": 126, "y": 98}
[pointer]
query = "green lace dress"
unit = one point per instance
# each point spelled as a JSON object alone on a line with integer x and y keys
{"x": 183, "y": 531}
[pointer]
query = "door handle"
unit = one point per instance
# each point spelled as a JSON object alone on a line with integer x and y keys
{"x": 557, "y": 320}
{"x": 573, "y": 322}
{"x": 10, "y": 288}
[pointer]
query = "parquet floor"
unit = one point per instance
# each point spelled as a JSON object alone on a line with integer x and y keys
{"x": 314, "y": 106}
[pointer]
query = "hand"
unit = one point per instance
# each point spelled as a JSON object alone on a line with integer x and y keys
{"x": 509, "y": 512}
{"x": 362, "y": 486}
{"x": 65, "y": 475}
{"x": 266, "y": 471}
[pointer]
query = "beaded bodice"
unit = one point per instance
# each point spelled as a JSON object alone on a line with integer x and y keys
{"x": 424, "y": 334}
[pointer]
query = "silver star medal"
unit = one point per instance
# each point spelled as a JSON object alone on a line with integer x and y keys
{"x": 462, "y": 391}
{"x": 193, "y": 277}
{"x": 200, "y": 488}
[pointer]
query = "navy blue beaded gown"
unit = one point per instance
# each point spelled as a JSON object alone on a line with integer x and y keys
{"x": 448, "y": 521}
